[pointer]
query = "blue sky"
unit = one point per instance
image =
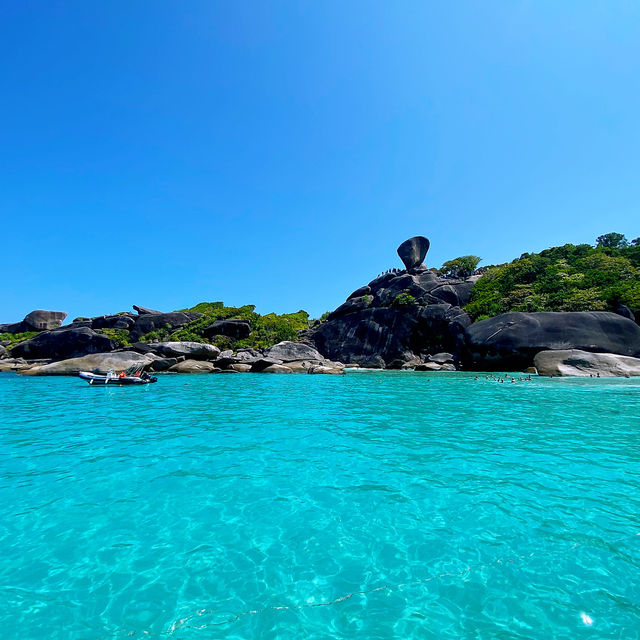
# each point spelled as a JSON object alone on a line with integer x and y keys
{"x": 276, "y": 153}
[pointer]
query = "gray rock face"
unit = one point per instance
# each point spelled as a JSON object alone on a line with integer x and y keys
{"x": 13, "y": 364}
{"x": 351, "y": 305}
{"x": 163, "y": 364}
{"x": 3, "y": 351}
{"x": 233, "y": 328}
{"x": 94, "y": 363}
{"x": 190, "y": 350}
{"x": 144, "y": 311}
{"x": 260, "y": 365}
{"x": 373, "y": 337}
{"x": 511, "y": 340}
{"x": 362, "y": 291}
{"x": 38, "y": 320}
{"x": 193, "y": 366}
{"x": 62, "y": 344}
{"x": 290, "y": 351}
{"x": 276, "y": 368}
{"x": 413, "y": 251}
{"x": 240, "y": 367}
{"x": 41, "y": 320}
{"x": 582, "y": 363}
{"x": 116, "y": 321}
{"x": 435, "y": 366}
{"x": 441, "y": 358}
{"x": 625, "y": 312}
{"x": 398, "y": 317}
{"x": 153, "y": 321}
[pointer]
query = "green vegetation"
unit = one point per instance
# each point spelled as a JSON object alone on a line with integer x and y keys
{"x": 266, "y": 330}
{"x": 567, "y": 278}
{"x": 461, "y": 267}
{"x": 119, "y": 336}
{"x": 272, "y": 328}
{"x": 404, "y": 299}
{"x": 15, "y": 338}
{"x": 612, "y": 241}
{"x": 213, "y": 311}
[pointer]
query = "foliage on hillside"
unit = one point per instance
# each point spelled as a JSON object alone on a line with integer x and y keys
{"x": 15, "y": 338}
{"x": 567, "y": 278}
{"x": 266, "y": 330}
{"x": 461, "y": 267}
{"x": 120, "y": 336}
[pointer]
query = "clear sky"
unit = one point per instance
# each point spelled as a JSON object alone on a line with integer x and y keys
{"x": 276, "y": 153}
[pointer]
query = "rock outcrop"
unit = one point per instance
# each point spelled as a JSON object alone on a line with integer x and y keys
{"x": 510, "y": 341}
{"x": 142, "y": 311}
{"x": 13, "y": 364}
{"x": 190, "y": 350}
{"x": 625, "y": 312}
{"x": 374, "y": 337}
{"x": 63, "y": 343}
{"x": 290, "y": 351}
{"x": 38, "y": 320}
{"x": 148, "y": 322}
{"x": 400, "y": 317}
{"x": 276, "y": 368}
{"x": 583, "y": 363}
{"x": 413, "y": 251}
{"x": 94, "y": 363}
{"x": 233, "y": 328}
{"x": 193, "y": 366}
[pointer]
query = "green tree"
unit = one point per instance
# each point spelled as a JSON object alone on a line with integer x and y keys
{"x": 461, "y": 267}
{"x": 612, "y": 241}
{"x": 566, "y": 278}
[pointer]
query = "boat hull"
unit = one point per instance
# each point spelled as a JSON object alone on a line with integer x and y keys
{"x": 97, "y": 380}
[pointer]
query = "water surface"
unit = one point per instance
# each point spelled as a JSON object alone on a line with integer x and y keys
{"x": 225, "y": 506}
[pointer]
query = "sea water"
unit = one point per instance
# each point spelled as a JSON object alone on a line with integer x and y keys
{"x": 364, "y": 506}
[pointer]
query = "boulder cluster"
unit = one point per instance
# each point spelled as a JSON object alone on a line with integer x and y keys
{"x": 403, "y": 319}
{"x": 413, "y": 318}
{"x": 81, "y": 346}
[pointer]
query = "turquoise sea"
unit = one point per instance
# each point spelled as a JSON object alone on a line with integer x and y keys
{"x": 374, "y": 505}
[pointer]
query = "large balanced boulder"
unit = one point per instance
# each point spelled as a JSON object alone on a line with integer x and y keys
{"x": 413, "y": 251}
{"x": 290, "y": 351}
{"x": 583, "y": 363}
{"x": 148, "y": 322}
{"x": 62, "y": 344}
{"x": 94, "y": 363}
{"x": 510, "y": 341}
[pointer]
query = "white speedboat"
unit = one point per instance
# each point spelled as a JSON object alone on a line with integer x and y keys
{"x": 125, "y": 378}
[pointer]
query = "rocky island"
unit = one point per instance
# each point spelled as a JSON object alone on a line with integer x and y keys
{"x": 405, "y": 318}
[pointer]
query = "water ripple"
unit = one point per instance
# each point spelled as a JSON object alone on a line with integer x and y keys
{"x": 373, "y": 506}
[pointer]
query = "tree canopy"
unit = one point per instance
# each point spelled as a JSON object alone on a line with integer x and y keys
{"x": 461, "y": 267}
{"x": 612, "y": 241}
{"x": 567, "y": 278}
